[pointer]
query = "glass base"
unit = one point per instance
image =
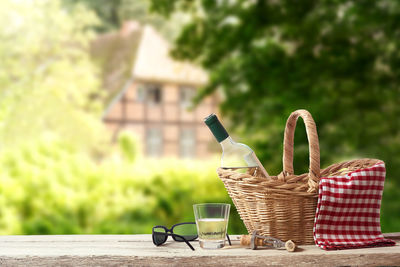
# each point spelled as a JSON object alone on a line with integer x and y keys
{"x": 212, "y": 244}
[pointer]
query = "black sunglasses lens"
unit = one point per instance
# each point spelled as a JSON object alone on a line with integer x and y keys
{"x": 178, "y": 238}
{"x": 159, "y": 236}
{"x": 188, "y": 231}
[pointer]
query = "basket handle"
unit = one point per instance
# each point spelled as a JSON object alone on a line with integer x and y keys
{"x": 313, "y": 146}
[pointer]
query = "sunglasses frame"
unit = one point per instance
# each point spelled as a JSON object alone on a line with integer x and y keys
{"x": 170, "y": 232}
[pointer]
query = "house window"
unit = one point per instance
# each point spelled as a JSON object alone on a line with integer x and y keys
{"x": 187, "y": 143}
{"x": 154, "y": 95}
{"x": 150, "y": 93}
{"x": 154, "y": 142}
{"x": 141, "y": 93}
{"x": 186, "y": 96}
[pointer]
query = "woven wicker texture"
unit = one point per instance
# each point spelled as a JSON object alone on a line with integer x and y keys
{"x": 283, "y": 206}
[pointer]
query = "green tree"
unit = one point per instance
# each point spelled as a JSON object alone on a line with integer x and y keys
{"x": 113, "y": 13}
{"x": 338, "y": 59}
{"x": 49, "y": 87}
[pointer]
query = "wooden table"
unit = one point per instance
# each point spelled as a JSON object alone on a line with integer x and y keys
{"x": 138, "y": 250}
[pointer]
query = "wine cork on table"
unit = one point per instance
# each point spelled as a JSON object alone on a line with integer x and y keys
{"x": 245, "y": 241}
{"x": 290, "y": 246}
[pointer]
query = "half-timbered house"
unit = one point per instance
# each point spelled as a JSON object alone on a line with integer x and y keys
{"x": 152, "y": 95}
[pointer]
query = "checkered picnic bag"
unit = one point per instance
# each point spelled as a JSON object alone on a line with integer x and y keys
{"x": 348, "y": 210}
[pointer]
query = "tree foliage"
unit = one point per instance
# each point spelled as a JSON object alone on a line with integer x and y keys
{"x": 49, "y": 87}
{"x": 113, "y": 14}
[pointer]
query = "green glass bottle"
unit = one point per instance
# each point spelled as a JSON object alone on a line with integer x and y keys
{"x": 234, "y": 155}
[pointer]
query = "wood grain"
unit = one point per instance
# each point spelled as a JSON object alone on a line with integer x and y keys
{"x": 138, "y": 250}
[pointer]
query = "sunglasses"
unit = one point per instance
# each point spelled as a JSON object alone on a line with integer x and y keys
{"x": 181, "y": 232}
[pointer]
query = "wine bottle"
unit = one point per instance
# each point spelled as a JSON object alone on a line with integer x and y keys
{"x": 234, "y": 155}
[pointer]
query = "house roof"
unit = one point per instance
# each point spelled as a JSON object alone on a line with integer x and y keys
{"x": 142, "y": 54}
{"x": 116, "y": 53}
{"x": 154, "y": 63}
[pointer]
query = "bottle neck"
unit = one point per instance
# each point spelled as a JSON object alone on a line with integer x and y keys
{"x": 227, "y": 142}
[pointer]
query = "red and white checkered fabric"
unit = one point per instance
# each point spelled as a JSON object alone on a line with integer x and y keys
{"x": 348, "y": 210}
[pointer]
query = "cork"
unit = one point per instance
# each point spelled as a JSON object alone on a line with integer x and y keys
{"x": 245, "y": 240}
{"x": 290, "y": 246}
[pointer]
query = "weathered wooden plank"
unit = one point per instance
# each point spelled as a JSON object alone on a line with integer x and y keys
{"x": 392, "y": 235}
{"x": 138, "y": 250}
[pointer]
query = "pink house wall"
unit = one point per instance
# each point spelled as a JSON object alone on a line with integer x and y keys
{"x": 168, "y": 116}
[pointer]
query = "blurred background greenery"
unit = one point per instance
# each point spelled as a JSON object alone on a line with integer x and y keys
{"x": 61, "y": 174}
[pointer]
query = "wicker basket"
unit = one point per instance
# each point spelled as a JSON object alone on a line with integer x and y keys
{"x": 284, "y": 206}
